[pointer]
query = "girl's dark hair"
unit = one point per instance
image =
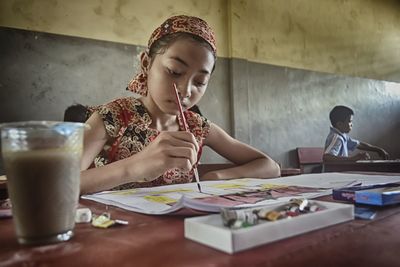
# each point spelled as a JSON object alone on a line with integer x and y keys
{"x": 162, "y": 44}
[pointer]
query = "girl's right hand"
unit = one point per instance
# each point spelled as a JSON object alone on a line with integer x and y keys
{"x": 169, "y": 150}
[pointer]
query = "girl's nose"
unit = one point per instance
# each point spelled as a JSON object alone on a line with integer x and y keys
{"x": 184, "y": 90}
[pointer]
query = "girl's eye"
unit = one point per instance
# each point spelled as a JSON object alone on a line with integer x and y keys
{"x": 200, "y": 84}
{"x": 174, "y": 73}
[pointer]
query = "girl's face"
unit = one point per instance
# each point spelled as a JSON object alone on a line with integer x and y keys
{"x": 186, "y": 63}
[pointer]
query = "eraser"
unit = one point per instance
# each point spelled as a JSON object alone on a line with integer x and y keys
{"x": 83, "y": 215}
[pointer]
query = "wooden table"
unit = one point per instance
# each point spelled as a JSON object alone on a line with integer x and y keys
{"x": 204, "y": 168}
{"x": 159, "y": 241}
{"x": 388, "y": 166}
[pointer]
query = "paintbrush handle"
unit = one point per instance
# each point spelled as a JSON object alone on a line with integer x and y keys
{"x": 180, "y": 109}
{"x": 196, "y": 173}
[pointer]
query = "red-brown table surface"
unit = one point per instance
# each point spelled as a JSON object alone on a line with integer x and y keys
{"x": 159, "y": 241}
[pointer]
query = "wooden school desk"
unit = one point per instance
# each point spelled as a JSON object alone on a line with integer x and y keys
{"x": 391, "y": 166}
{"x": 159, "y": 241}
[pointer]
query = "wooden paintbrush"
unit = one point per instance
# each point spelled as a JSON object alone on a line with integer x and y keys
{"x": 196, "y": 173}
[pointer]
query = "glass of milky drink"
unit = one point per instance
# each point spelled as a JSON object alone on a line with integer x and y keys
{"x": 42, "y": 165}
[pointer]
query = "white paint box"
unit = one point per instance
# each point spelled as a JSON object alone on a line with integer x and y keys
{"x": 209, "y": 230}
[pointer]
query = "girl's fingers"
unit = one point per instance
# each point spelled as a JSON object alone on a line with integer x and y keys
{"x": 180, "y": 163}
{"x": 178, "y": 139}
{"x": 171, "y": 150}
{"x": 184, "y": 153}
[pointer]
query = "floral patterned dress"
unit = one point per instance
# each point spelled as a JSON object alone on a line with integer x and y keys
{"x": 127, "y": 123}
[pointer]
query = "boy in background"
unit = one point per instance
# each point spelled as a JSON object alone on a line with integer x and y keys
{"x": 338, "y": 143}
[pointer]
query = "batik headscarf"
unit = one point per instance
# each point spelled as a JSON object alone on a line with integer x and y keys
{"x": 182, "y": 23}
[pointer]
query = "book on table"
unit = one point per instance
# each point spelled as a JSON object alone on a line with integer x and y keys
{"x": 240, "y": 192}
{"x": 245, "y": 192}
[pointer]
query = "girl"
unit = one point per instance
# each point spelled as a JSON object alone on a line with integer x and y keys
{"x": 141, "y": 142}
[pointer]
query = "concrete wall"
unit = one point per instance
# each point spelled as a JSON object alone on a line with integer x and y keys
{"x": 42, "y": 74}
{"x": 278, "y": 109}
{"x": 273, "y": 108}
{"x": 350, "y": 37}
{"x": 121, "y": 21}
{"x": 282, "y": 64}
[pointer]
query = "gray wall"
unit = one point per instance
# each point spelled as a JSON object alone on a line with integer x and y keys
{"x": 278, "y": 109}
{"x": 273, "y": 108}
{"x": 42, "y": 74}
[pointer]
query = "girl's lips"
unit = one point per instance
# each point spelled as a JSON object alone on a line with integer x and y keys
{"x": 184, "y": 106}
{"x": 174, "y": 105}
{"x": 184, "y": 103}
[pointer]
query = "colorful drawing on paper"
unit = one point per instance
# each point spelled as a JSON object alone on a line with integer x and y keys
{"x": 255, "y": 196}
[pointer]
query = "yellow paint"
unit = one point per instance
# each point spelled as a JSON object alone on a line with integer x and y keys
{"x": 179, "y": 190}
{"x": 102, "y": 221}
{"x": 227, "y": 186}
{"x": 272, "y": 186}
{"x": 160, "y": 199}
{"x": 134, "y": 191}
{"x": 124, "y": 192}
